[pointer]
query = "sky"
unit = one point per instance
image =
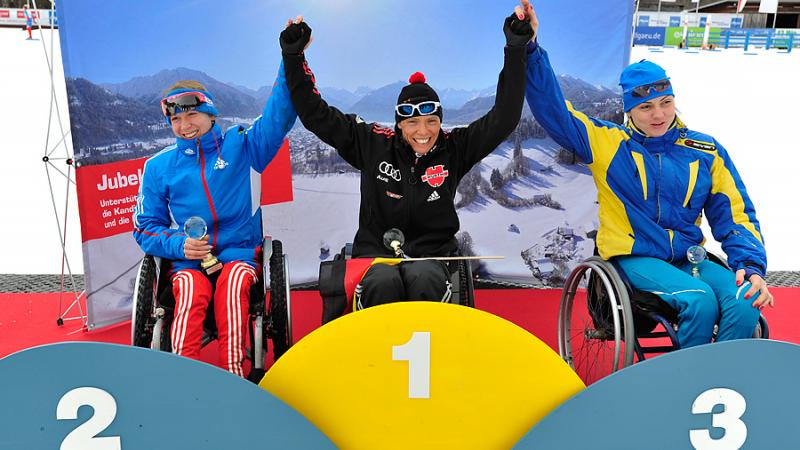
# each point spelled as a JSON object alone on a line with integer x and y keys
{"x": 356, "y": 42}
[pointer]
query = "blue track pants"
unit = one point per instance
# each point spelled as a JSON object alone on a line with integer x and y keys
{"x": 701, "y": 302}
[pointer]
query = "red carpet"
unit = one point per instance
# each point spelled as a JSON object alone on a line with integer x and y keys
{"x": 28, "y": 320}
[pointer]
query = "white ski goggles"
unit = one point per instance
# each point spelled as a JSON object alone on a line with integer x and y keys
{"x": 423, "y": 108}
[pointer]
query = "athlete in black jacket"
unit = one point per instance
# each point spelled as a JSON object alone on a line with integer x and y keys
{"x": 409, "y": 175}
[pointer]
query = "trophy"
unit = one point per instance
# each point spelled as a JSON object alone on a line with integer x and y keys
{"x": 195, "y": 227}
{"x": 393, "y": 239}
{"x": 696, "y": 254}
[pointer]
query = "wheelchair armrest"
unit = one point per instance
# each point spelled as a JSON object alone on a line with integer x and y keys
{"x": 346, "y": 253}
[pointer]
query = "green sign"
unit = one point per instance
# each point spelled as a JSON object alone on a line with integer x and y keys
{"x": 674, "y": 35}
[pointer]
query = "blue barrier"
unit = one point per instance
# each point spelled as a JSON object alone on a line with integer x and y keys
{"x": 756, "y": 38}
{"x": 726, "y": 38}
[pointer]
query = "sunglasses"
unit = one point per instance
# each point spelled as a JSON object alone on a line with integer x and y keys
{"x": 423, "y": 108}
{"x": 185, "y": 101}
{"x": 644, "y": 90}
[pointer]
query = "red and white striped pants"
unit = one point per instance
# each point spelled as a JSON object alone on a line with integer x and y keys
{"x": 192, "y": 290}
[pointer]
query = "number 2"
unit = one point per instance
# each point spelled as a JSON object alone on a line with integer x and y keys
{"x": 84, "y": 437}
{"x": 729, "y": 420}
{"x": 417, "y": 351}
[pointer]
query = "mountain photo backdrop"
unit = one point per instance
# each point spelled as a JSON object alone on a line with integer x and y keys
{"x": 529, "y": 201}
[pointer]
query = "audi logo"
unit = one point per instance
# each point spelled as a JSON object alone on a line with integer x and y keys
{"x": 389, "y": 170}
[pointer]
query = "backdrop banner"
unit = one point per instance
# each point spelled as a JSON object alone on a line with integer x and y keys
{"x": 529, "y": 201}
{"x": 649, "y": 36}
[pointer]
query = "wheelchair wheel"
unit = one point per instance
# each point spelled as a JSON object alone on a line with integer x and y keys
{"x": 161, "y": 329}
{"x": 466, "y": 294}
{"x": 595, "y": 332}
{"x": 143, "y": 301}
{"x": 279, "y": 321}
{"x": 762, "y": 329}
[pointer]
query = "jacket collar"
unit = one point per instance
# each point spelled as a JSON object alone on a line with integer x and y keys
{"x": 676, "y": 130}
{"x": 408, "y": 153}
{"x": 208, "y": 142}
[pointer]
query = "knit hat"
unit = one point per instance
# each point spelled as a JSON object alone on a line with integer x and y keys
{"x": 205, "y": 107}
{"x": 415, "y": 92}
{"x": 640, "y": 74}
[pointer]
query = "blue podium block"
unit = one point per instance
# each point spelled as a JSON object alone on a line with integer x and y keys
{"x": 729, "y": 395}
{"x": 93, "y": 396}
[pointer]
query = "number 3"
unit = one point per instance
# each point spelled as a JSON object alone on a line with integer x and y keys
{"x": 83, "y": 437}
{"x": 728, "y": 420}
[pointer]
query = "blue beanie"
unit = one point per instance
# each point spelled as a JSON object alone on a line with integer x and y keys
{"x": 207, "y": 107}
{"x": 639, "y": 74}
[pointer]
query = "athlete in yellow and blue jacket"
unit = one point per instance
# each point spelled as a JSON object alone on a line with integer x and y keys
{"x": 655, "y": 178}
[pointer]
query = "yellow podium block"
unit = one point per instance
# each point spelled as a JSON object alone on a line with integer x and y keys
{"x": 422, "y": 375}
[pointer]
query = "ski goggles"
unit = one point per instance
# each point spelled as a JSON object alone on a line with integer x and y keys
{"x": 423, "y": 108}
{"x": 184, "y": 101}
{"x": 644, "y": 90}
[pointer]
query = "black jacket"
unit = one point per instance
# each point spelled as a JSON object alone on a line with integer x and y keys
{"x": 399, "y": 190}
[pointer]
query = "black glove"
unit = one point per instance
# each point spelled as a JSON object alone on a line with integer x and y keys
{"x": 295, "y": 38}
{"x": 518, "y": 33}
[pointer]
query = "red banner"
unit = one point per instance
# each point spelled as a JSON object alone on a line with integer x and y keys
{"x": 107, "y": 192}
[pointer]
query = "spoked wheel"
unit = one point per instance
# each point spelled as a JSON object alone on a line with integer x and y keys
{"x": 279, "y": 321}
{"x": 595, "y": 331}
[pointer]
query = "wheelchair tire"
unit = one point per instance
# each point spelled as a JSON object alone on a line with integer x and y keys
{"x": 466, "y": 288}
{"x": 278, "y": 322}
{"x": 596, "y": 331}
{"x": 142, "y": 318}
{"x": 762, "y": 329}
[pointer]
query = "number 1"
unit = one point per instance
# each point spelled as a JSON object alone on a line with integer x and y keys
{"x": 417, "y": 351}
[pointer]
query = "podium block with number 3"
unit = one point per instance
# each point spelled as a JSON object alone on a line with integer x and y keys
{"x": 422, "y": 375}
{"x": 725, "y": 396}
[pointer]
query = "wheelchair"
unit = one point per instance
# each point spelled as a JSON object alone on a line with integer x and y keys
{"x": 154, "y": 304}
{"x": 615, "y": 324}
{"x": 334, "y": 295}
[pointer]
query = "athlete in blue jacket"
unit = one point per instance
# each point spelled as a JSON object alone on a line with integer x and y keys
{"x": 655, "y": 178}
{"x": 210, "y": 174}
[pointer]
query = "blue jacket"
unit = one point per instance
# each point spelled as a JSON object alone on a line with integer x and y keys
{"x": 216, "y": 177}
{"x": 652, "y": 191}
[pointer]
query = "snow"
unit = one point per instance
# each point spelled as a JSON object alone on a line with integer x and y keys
{"x": 570, "y": 185}
{"x": 29, "y": 229}
{"x": 748, "y": 102}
